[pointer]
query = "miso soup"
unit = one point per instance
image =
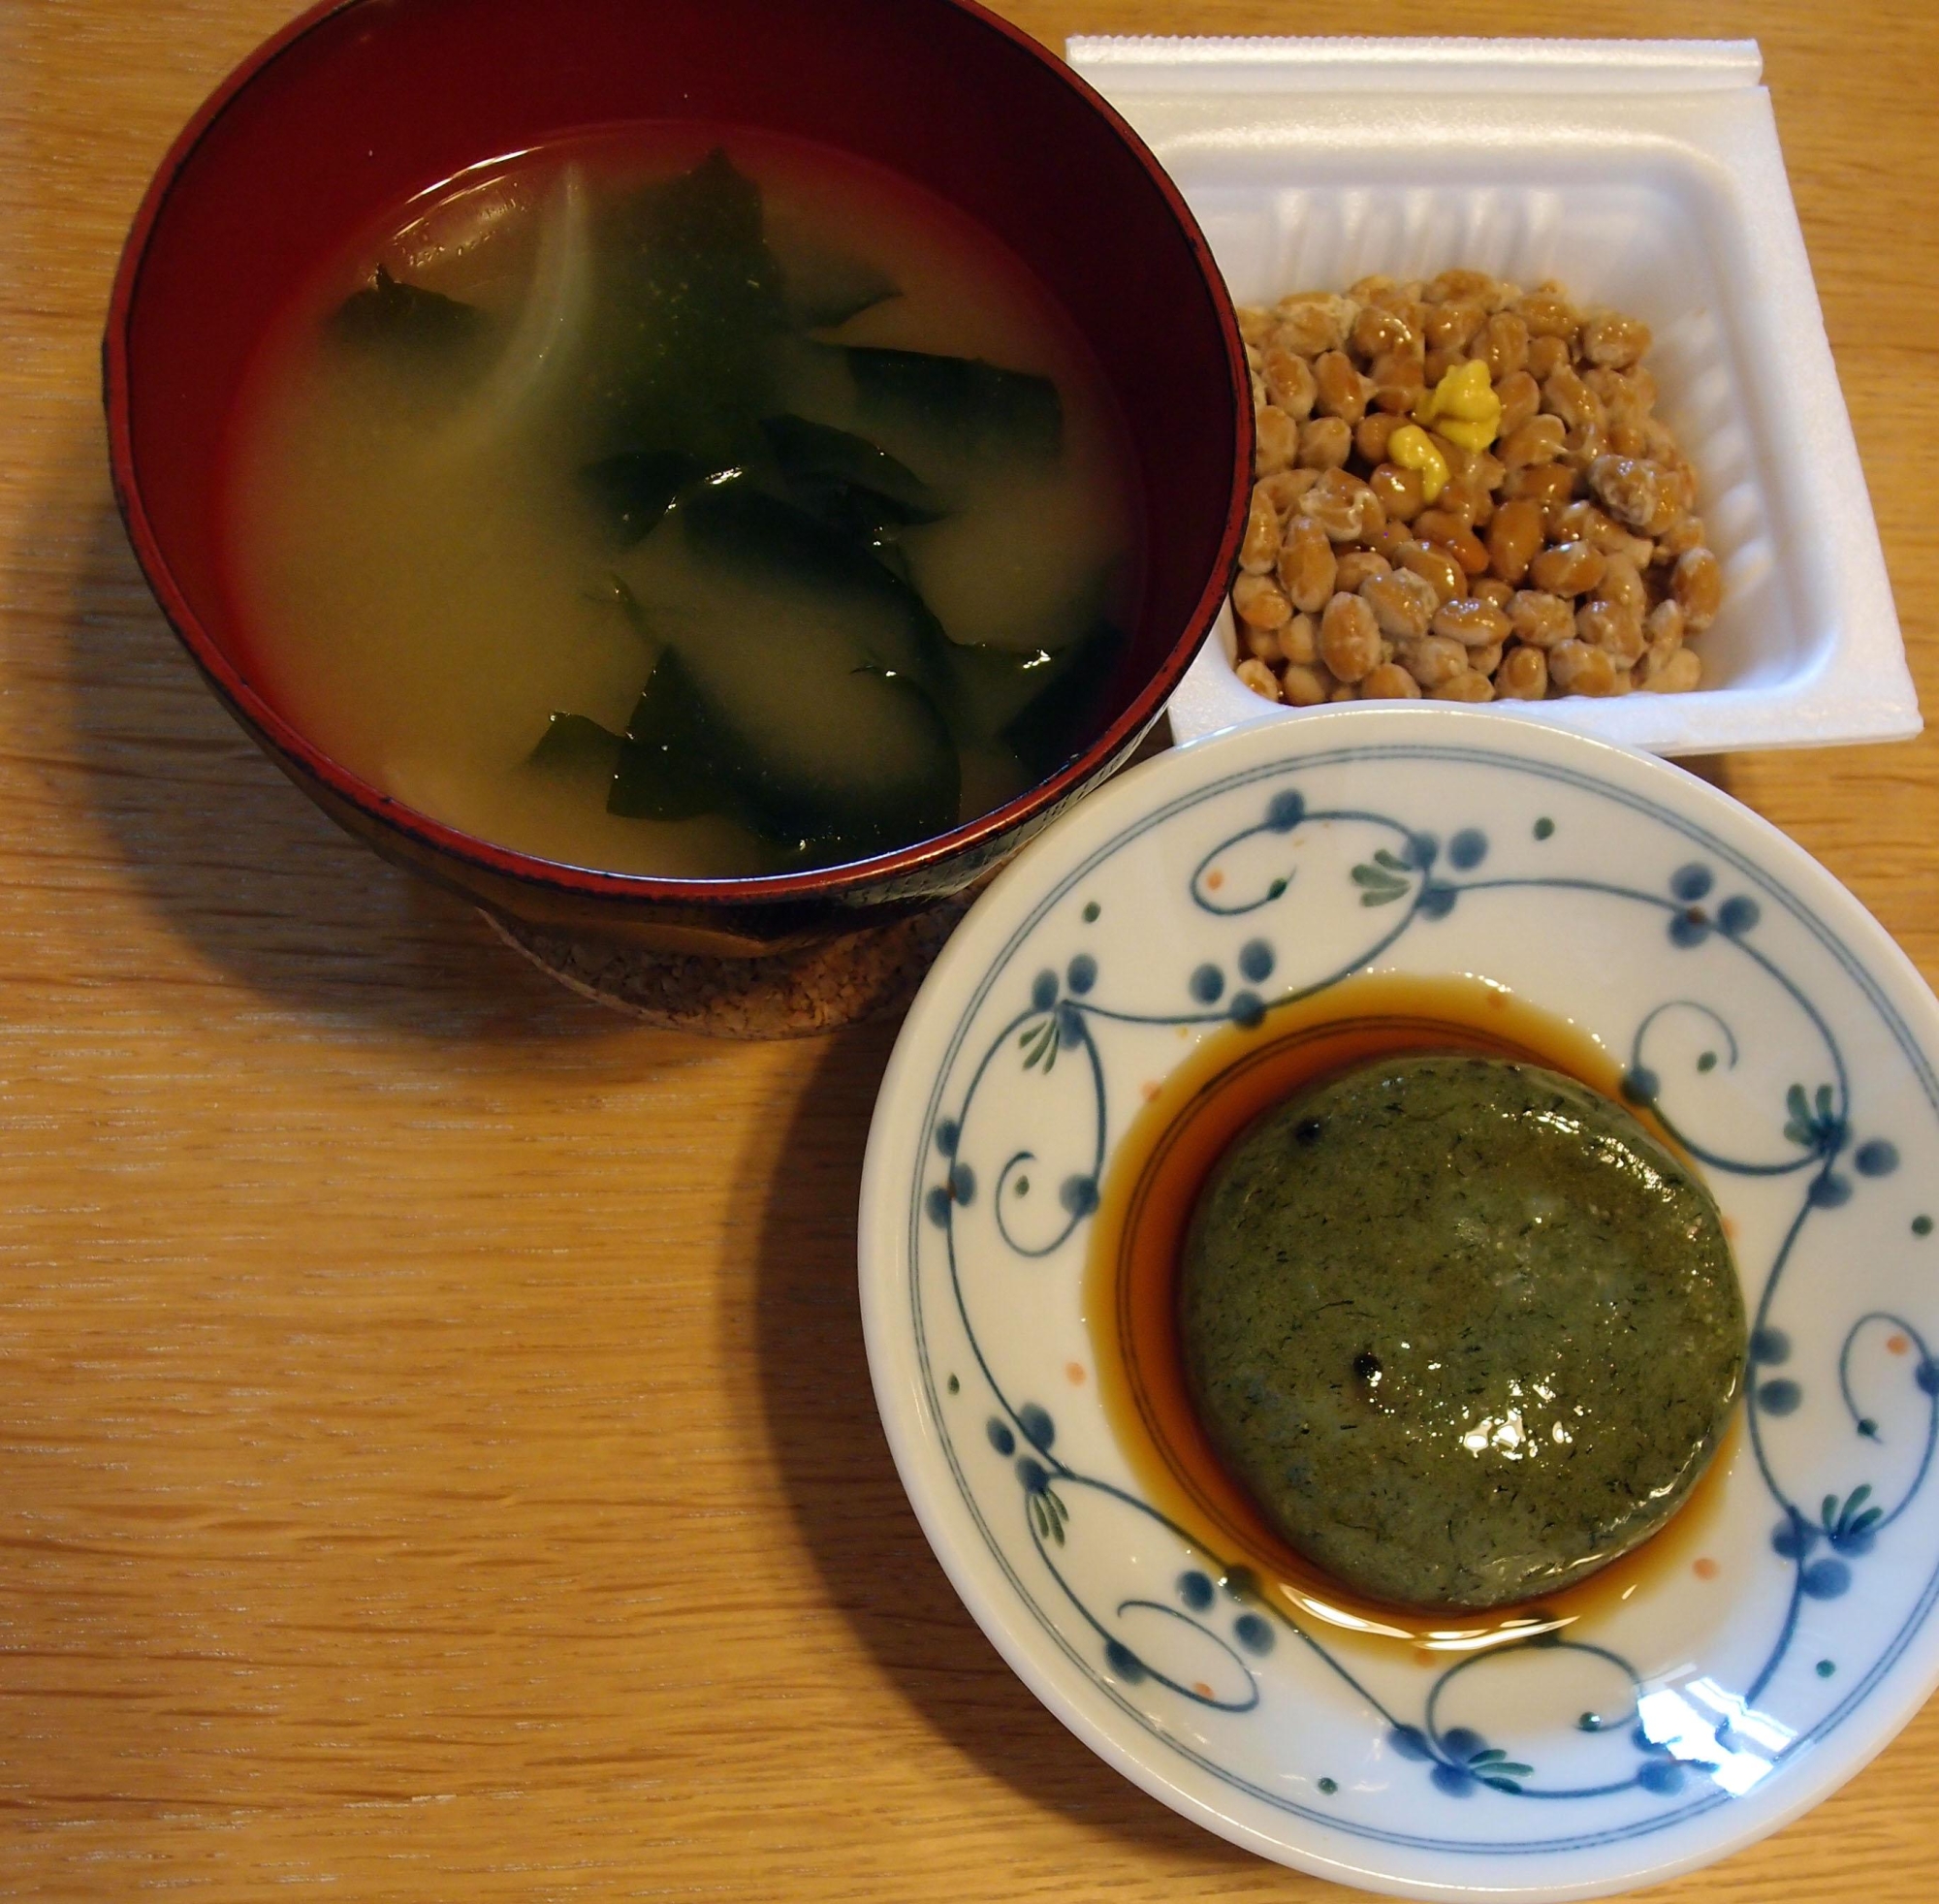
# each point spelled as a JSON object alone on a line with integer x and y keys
{"x": 689, "y": 503}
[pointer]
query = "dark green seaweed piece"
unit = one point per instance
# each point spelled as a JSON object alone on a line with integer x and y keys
{"x": 574, "y": 744}
{"x": 1040, "y": 705}
{"x": 1051, "y": 728}
{"x": 406, "y": 320}
{"x": 761, "y": 535}
{"x": 678, "y": 759}
{"x": 681, "y": 355}
{"x": 711, "y": 209}
{"x": 829, "y": 826}
{"x": 757, "y": 534}
{"x": 974, "y": 408}
{"x": 632, "y": 489}
{"x": 846, "y": 477}
{"x": 684, "y": 754}
{"x": 829, "y": 288}
{"x": 852, "y": 485}
{"x": 883, "y": 542}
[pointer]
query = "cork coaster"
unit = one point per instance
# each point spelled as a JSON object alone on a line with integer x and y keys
{"x": 872, "y": 973}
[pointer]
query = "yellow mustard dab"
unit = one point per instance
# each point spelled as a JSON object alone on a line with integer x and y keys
{"x": 1463, "y": 406}
{"x": 1412, "y": 448}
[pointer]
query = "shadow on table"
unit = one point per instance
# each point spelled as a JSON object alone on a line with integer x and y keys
{"x": 845, "y": 1496}
{"x": 230, "y": 855}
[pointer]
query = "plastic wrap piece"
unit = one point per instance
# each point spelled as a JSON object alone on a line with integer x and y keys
{"x": 1644, "y": 174}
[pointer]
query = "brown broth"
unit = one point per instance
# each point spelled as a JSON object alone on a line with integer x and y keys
{"x": 1132, "y": 1274}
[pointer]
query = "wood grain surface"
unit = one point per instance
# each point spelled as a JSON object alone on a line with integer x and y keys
{"x": 437, "y": 1455}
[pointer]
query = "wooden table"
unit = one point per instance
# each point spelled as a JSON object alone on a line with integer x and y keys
{"x": 437, "y": 1456}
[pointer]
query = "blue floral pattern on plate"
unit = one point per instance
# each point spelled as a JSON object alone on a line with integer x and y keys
{"x": 1753, "y": 1008}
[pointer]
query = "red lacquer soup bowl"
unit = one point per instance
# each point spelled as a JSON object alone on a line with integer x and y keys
{"x": 356, "y": 108}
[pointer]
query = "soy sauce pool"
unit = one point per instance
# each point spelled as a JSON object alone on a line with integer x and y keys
{"x": 684, "y": 501}
{"x": 1131, "y": 1282}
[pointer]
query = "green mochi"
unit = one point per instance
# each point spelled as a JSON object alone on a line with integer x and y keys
{"x": 1462, "y": 1327}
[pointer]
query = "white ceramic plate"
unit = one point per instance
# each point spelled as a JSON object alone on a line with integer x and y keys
{"x": 1744, "y": 994}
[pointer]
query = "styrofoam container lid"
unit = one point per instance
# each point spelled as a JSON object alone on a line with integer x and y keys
{"x": 1645, "y": 176}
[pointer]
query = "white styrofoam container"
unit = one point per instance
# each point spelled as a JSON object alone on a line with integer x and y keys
{"x": 1644, "y": 174}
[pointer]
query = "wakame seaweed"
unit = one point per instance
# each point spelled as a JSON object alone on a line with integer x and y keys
{"x": 406, "y": 320}
{"x": 1045, "y": 732}
{"x": 850, "y": 483}
{"x": 693, "y": 302}
{"x": 633, "y": 489}
{"x": 847, "y": 479}
{"x": 973, "y": 407}
{"x": 684, "y": 756}
{"x": 713, "y": 209}
{"x": 676, "y": 760}
{"x": 576, "y": 745}
{"x": 744, "y": 528}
